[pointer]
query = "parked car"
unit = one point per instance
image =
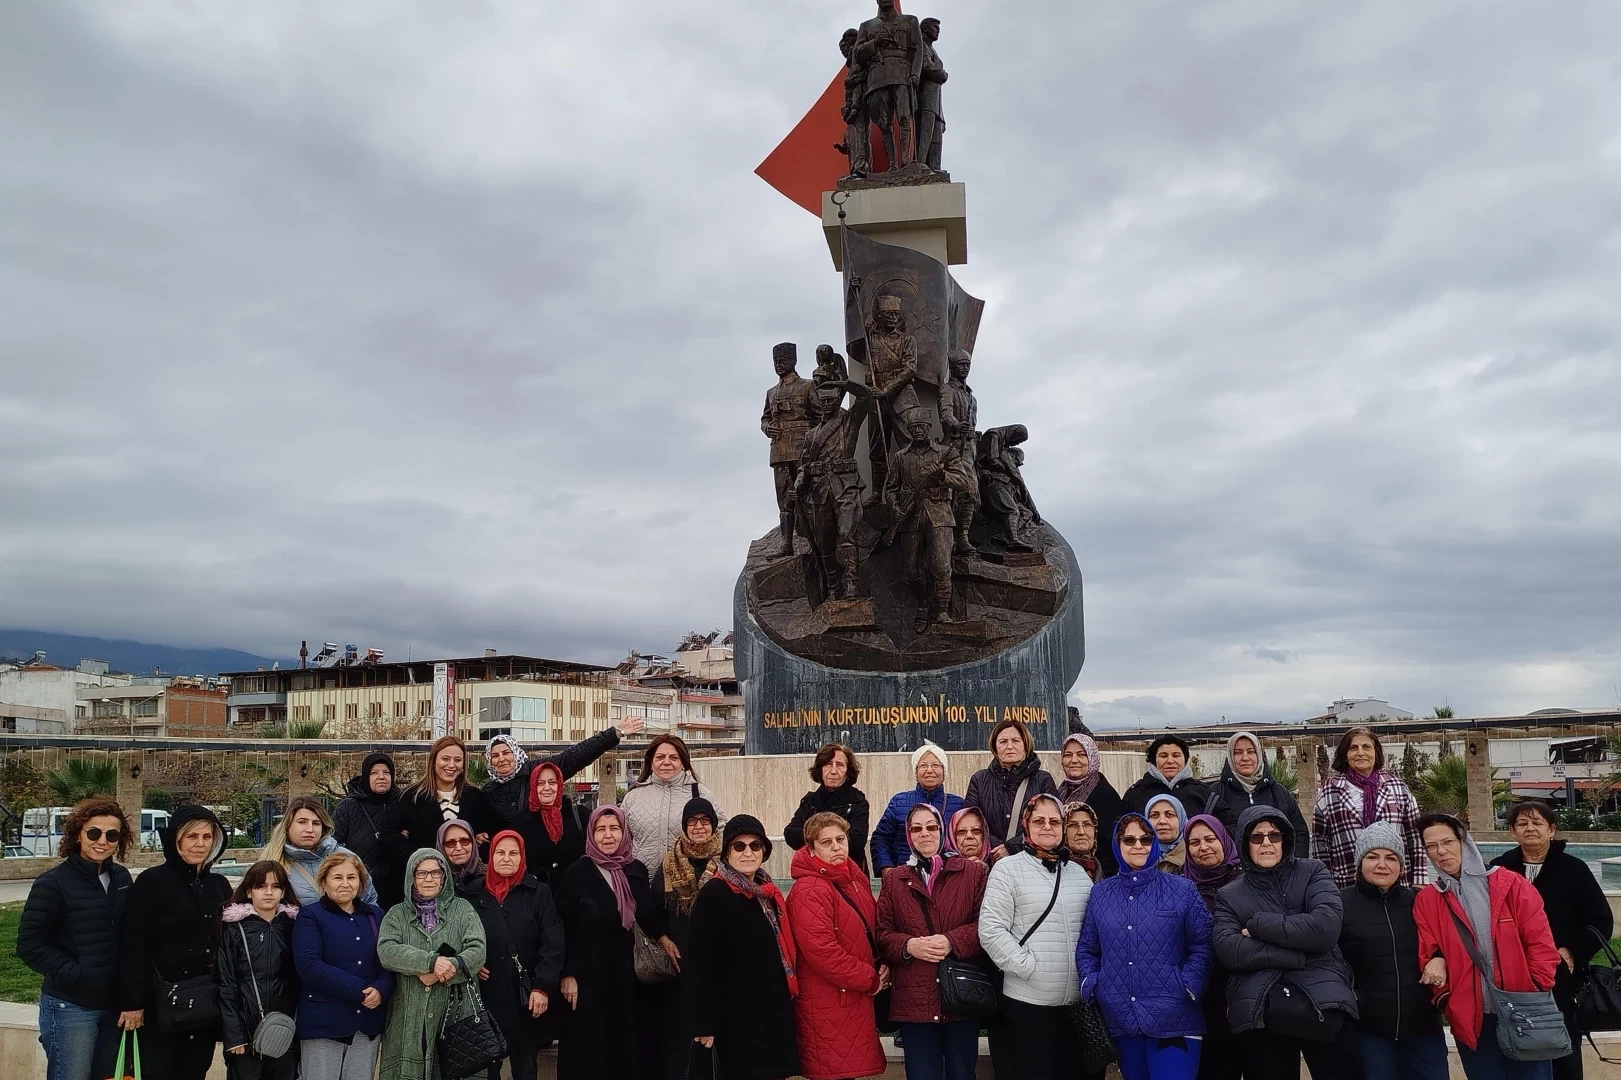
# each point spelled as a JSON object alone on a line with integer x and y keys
{"x": 15, "y": 851}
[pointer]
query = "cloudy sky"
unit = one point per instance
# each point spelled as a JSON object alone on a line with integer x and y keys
{"x": 440, "y": 327}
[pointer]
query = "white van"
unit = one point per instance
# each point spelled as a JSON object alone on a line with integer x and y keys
{"x": 42, "y": 829}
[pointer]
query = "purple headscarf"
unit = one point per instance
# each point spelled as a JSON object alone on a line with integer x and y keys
{"x": 1222, "y": 871}
{"x": 613, "y": 866}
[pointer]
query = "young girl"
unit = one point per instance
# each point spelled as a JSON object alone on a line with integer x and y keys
{"x": 255, "y": 969}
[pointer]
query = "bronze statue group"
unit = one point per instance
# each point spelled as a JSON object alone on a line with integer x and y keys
{"x": 1181, "y": 929}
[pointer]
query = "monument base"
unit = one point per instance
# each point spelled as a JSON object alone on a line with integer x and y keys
{"x": 793, "y": 705}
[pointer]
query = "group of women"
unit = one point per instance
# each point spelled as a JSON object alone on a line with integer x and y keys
{"x": 649, "y": 941}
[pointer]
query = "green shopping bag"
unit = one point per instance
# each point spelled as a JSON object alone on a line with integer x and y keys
{"x": 128, "y": 1039}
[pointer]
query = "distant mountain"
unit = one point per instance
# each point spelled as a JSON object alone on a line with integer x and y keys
{"x": 135, "y": 657}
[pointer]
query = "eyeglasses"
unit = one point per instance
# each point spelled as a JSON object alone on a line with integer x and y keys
{"x": 1136, "y": 841}
{"x": 450, "y": 843}
{"x": 922, "y": 828}
{"x": 1271, "y": 836}
{"x": 740, "y": 846}
{"x": 94, "y": 834}
{"x": 428, "y": 875}
{"x": 1449, "y": 842}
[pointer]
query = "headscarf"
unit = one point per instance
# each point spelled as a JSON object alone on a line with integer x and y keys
{"x": 473, "y": 870}
{"x": 1248, "y": 783}
{"x": 613, "y": 866}
{"x": 427, "y": 908}
{"x": 1088, "y": 860}
{"x": 764, "y": 892}
{"x": 1177, "y": 851}
{"x": 681, "y": 878}
{"x": 927, "y": 868}
{"x": 1155, "y": 851}
{"x": 1369, "y": 786}
{"x": 550, "y": 816}
{"x": 1060, "y": 853}
{"x": 949, "y": 844}
{"x": 362, "y": 790}
{"x": 1472, "y": 890}
{"x": 1078, "y": 791}
{"x": 519, "y": 758}
{"x": 497, "y": 885}
{"x": 1222, "y": 871}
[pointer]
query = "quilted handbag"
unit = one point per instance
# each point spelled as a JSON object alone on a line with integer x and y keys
{"x": 470, "y": 1045}
{"x": 1098, "y": 1051}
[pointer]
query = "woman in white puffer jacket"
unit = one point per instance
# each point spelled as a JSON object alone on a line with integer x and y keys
{"x": 653, "y": 806}
{"x": 1035, "y": 952}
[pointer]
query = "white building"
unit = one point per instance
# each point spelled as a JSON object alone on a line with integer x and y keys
{"x": 40, "y": 697}
{"x": 1359, "y": 711}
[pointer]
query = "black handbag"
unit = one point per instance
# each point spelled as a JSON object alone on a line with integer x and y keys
{"x": 1598, "y": 999}
{"x": 880, "y": 1000}
{"x": 472, "y": 1044}
{"x": 188, "y": 1005}
{"x": 1289, "y": 1011}
{"x": 1098, "y": 1051}
{"x": 967, "y": 988}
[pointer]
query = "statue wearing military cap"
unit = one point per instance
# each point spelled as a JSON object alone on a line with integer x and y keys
{"x": 959, "y": 415}
{"x": 790, "y": 407}
{"x": 891, "y": 49}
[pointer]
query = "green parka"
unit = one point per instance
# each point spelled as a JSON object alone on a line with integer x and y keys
{"x": 416, "y": 1012}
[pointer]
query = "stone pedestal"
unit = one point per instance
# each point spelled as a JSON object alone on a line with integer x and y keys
{"x": 1307, "y": 781}
{"x": 1477, "y": 771}
{"x": 301, "y": 779}
{"x": 930, "y": 218}
{"x": 131, "y": 790}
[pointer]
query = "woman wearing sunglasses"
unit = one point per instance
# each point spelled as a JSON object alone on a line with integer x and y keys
{"x": 1277, "y": 930}
{"x": 1144, "y": 959}
{"x": 69, "y": 934}
{"x": 740, "y": 966}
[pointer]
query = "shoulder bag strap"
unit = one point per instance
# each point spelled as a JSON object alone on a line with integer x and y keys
{"x": 1472, "y": 947}
{"x": 1058, "y": 878}
{"x": 247, "y": 955}
{"x": 305, "y": 874}
{"x": 1018, "y": 805}
{"x": 923, "y": 906}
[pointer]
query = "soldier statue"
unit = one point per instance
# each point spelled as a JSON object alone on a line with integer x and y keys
{"x": 923, "y": 483}
{"x": 931, "y": 120}
{"x": 789, "y": 411}
{"x": 828, "y": 501}
{"x": 857, "y": 144}
{"x": 891, "y": 366}
{"x": 1005, "y": 504}
{"x": 890, "y": 47}
{"x": 959, "y": 413}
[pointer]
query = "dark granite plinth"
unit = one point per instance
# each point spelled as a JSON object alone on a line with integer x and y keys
{"x": 794, "y": 704}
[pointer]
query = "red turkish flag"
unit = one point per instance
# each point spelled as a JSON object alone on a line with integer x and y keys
{"x": 805, "y": 164}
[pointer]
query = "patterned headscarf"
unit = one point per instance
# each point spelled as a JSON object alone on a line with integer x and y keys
{"x": 1074, "y": 791}
{"x": 613, "y": 865}
{"x": 519, "y": 758}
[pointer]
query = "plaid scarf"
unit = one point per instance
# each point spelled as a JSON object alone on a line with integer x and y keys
{"x": 771, "y": 901}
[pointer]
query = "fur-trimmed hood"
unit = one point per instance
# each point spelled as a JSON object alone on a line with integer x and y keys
{"x": 237, "y": 912}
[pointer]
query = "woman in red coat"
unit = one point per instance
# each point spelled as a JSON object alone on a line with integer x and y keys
{"x": 1518, "y": 947}
{"x": 928, "y": 908}
{"x": 832, "y": 914}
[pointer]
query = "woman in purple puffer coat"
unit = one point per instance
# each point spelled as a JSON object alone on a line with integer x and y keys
{"x": 1144, "y": 959}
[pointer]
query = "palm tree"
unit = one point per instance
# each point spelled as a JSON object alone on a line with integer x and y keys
{"x": 1441, "y": 712}
{"x": 1283, "y": 773}
{"x": 1443, "y": 788}
{"x": 80, "y": 778}
{"x": 306, "y": 729}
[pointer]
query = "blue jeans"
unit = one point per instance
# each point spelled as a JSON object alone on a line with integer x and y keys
{"x": 1486, "y": 1061}
{"x": 941, "y": 1051}
{"x": 1423, "y": 1057}
{"x": 70, "y": 1034}
{"x": 1143, "y": 1057}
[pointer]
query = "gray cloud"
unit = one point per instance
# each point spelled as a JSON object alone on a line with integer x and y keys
{"x": 442, "y": 327}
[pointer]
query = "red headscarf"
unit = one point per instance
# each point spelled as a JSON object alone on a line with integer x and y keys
{"x": 550, "y": 816}
{"x": 497, "y": 885}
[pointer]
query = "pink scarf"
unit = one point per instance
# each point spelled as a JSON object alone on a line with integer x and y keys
{"x": 1370, "y": 792}
{"x": 613, "y": 864}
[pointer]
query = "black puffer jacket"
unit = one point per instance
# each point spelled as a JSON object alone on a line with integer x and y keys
{"x": 1229, "y": 799}
{"x": 1293, "y": 914}
{"x": 69, "y": 930}
{"x": 1193, "y": 794}
{"x": 357, "y": 823}
{"x": 511, "y": 799}
{"x": 1379, "y": 939}
{"x": 268, "y": 955}
{"x": 1574, "y": 901}
{"x": 171, "y": 920}
{"x": 846, "y": 801}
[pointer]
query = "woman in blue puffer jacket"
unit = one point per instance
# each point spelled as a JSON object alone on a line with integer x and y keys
{"x": 1144, "y": 958}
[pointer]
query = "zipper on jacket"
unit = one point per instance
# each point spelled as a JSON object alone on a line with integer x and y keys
{"x": 1395, "y": 961}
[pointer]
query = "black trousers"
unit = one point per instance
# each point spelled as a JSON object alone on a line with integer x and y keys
{"x": 177, "y": 1057}
{"x": 1569, "y": 1067}
{"x": 1277, "y": 1057}
{"x": 1221, "y": 1059}
{"x": 1045, "y": 1043}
